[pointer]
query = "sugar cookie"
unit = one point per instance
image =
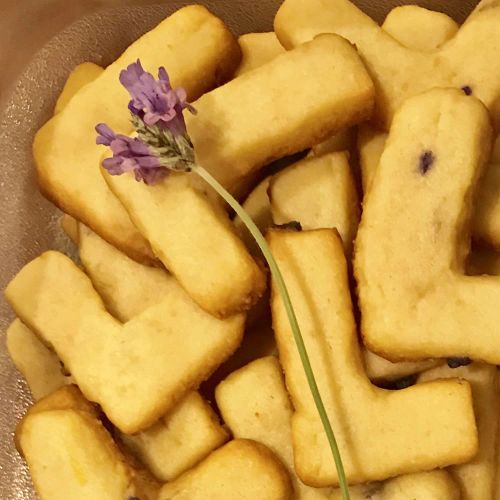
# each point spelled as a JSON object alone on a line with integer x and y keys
{"x": 39, "y": 366}
{"x": 400, "y": 72}
{"x": 413, "y": 239}
{"x": 82, "y": 74}
{"x": 241, "y": 469}
{"x": 235, "y": 134}
{"x": 381, "y": 370}
{"x": 433, "y": 485}
{"x": 318, "y": 192}
{"x": 195, "y": 240}
{"x": 414, "y": 429}
{"x": 486, "y": 219}
{"x": 136, "y": 371}
{"x": 177, "y": 442}
{"x": 198, "y": 51}
{"x": 257, "y": 49}
{"x": 126, "y": 287}
{"x": 477, "y": 477}
{"x": 422, "y": 29}
{"x": 181, "y": 439}
{"x": 254, "y": 404}
{"x": 371, "y": 144}
{"x": 61, "y": 437}
{"x": 419, "y": 28}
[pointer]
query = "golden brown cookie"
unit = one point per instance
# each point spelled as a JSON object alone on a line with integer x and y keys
{"x": 199, "y": 53}
{"x": 136, "y": 371}
{"x": 71, "y": 455}
{"x": 318, "y": 192}
{"x": 257, "y": 49}
{"x": 398, "y": 71}
{"x": 477, "y": 477}
{"x": 241, "y": 469}
{"x": 269, "y": 113}
{"x": 82, "y": 74}
{"x": 414, "y": 429}
{"x": 412, "y": 244}
{"x": 195, "y": 240}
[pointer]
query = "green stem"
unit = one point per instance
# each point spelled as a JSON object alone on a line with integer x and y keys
{"x": 280, "y": 283}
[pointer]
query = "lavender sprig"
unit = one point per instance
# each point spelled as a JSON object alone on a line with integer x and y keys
{"x": 162, "y": 145}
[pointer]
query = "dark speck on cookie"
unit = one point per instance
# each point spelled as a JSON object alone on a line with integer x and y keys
{"x": 425, "y": 162}
{"x": 467, "y": 90}
{"x": 457, "y": 362}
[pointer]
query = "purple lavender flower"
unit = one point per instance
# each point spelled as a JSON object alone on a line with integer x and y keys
{"x": 155, "y": 101}
{"x": 130, "y": 155}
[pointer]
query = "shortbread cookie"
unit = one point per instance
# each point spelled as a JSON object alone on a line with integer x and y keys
{"x": 254, "y": 404}
{"x": 422, "y": 29}
{"x": 136, "y": 371}
{"x": 413, "y": 239}
{"x": 83, "y": 74}
{"x": 188, "y": 432}
{"x": 195, "y": 240}
{"x": 71, "y": 455}
{"x": 235, "y": 134}
{"x": 257, "y": 49}
{"x": 433, "y": 485}
{"x": 371, "y": 144}
{"x": 486, "y": 213}
{"x": 317, "y": 192}
{"x": 126, "y": 287}
{"x": 180, "y": 440}
{"x": 419, "y": 28}
{"x": 400, "y": 72}
{"x": 476, "y": 478}
{"x": 199, "y": 53}
{"x": 381, "y": 370}
{"x": 414, "y": 27}
{"x": 177, "y": 442}
{"x": 241, "y": 469}
{"x": 414, "y": 429}
{"x": 39, "y": 366}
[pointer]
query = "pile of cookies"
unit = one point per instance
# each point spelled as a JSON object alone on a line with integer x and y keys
{"x": 163, "y": 364}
